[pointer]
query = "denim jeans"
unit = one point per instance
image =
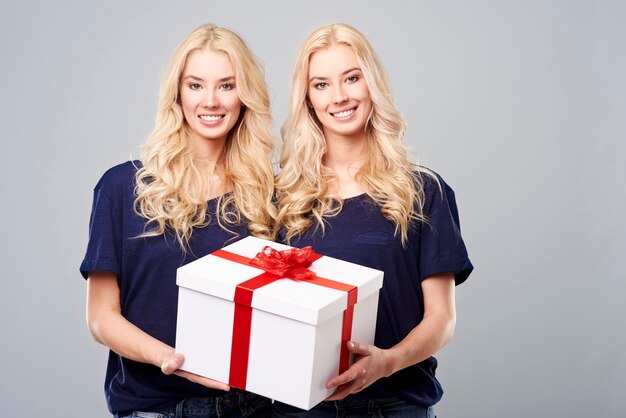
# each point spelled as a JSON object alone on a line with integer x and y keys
{"x": 382, "y": 408}
{"x": 234, "y": 404}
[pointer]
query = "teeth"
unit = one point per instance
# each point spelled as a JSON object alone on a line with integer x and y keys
{"x": 210, "y": 118}
{"x": 344, "y": 113}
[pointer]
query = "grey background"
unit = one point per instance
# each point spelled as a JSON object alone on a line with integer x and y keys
{"x": 519, "y": 105}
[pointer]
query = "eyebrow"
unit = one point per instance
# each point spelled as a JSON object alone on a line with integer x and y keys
{"x": 221, "y": 80}
{"x": 344, "y": 73}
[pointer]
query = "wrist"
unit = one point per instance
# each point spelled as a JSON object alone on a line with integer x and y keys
{"x": 392, "y": 361}
{"x": 161, "y": 356}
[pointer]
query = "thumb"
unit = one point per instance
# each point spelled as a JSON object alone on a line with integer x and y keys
{"x": 358, "y": 348}
{"x": 172, "y": 363}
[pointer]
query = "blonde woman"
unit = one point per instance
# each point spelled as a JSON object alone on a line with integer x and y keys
{"x": 205, "y": 179}
{"x": 348, "y": 189}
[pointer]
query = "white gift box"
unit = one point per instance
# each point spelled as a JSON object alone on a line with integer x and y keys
{"x": 295, "y": 329}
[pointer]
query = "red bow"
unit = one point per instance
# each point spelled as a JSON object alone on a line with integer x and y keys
{"x": 290, "y": 264}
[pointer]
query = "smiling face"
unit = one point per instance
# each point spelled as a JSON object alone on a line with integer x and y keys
{"x": 208, "y": 94}
{"x": 337, "y": 92}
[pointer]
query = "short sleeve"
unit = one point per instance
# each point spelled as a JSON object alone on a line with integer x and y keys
{"x": 104, "y": 234}
{"x": 441, "y": 247}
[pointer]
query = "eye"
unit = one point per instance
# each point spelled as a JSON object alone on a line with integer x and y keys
{"x": 321, "y": 86}
{"x": 227, "y": 86}
{"x": 195, "y": 86}
{"x": 352, "y": 79}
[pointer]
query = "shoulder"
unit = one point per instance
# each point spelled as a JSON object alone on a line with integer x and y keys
{"x": 118, "y": 178}
{"x": 439, "y": 198}
{"x": 118, "y": 174}
{"x": 431, "y": 183}
{"x": 436, "y": 192}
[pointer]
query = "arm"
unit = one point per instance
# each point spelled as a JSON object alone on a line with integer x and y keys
{"x": 108, "y": 326}
{"x": 430, "y": 335}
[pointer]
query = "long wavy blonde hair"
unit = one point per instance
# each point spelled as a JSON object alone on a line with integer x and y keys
{"x": 304, "y": 184}
{"x": 165, "y": 192}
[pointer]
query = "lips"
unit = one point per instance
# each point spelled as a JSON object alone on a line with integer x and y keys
{"x": 344, "y": 113}
{"x": 210, "y": 118}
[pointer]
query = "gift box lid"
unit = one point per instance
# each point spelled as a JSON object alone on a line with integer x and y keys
{"x": 298, "y": 300}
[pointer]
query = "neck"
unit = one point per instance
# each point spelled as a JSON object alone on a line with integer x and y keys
{"x": 208, "y": 156}
{"x": 205, "y": 149}
{"x": 345, "y": 157}
{"x": 344, "y": 154}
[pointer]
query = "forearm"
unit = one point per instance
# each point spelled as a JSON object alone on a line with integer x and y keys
{"x": 116, "y": 332}
{"x": 108, "y": 326}
{"x": 434, "y": 332}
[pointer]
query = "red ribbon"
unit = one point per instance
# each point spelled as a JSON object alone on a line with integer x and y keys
{"x": 289, "y": 264}
{"x": 293, "y": 264}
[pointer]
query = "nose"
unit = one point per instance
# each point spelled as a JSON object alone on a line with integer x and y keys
{"x": 339, "y": 95}
{"x": 210, "y": 100}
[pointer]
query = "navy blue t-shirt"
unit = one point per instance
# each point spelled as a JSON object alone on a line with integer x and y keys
{"x": 362, "y": 235}
{"x": 146, "y": 273}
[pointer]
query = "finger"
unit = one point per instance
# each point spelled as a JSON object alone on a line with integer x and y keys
{"x": 358, "y": 348}
{"x": 342, "y": 392}
{"x": 348, "y": 376}
{"x": 213, "y": 384}
{"x": 343, "y": 379}
{"x": 204, "y": 381}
